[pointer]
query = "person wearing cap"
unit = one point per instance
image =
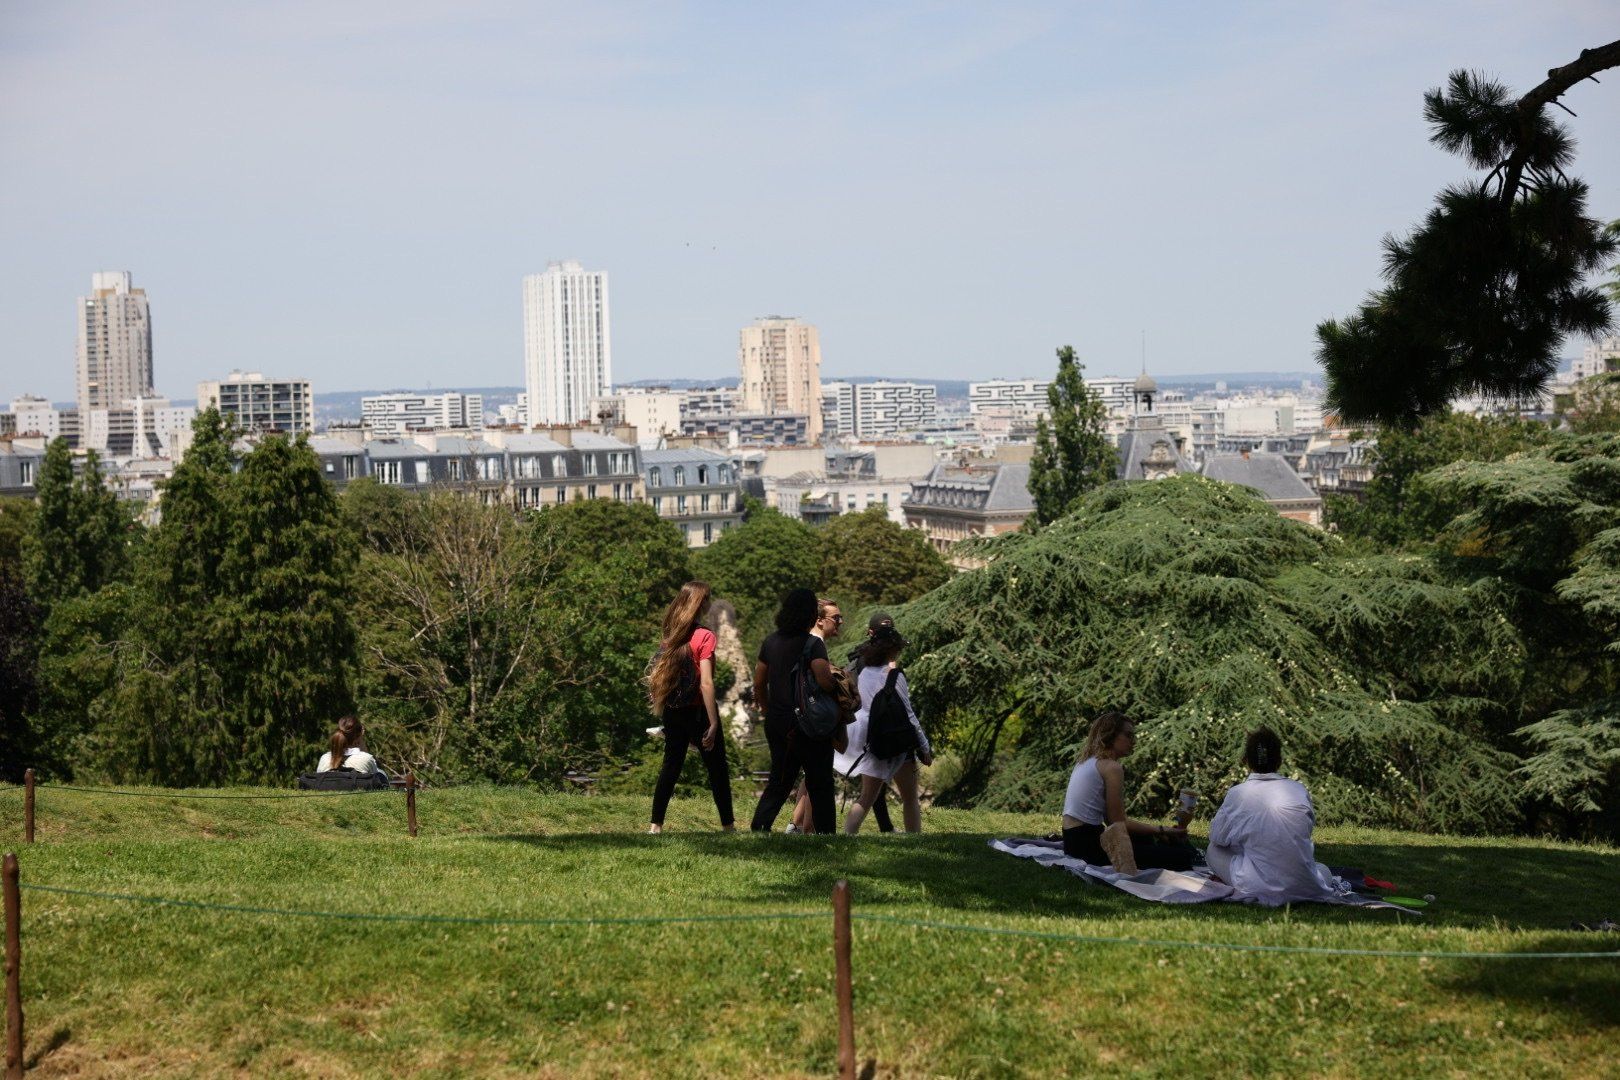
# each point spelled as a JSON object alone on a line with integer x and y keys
{"x": 881, "y": 656}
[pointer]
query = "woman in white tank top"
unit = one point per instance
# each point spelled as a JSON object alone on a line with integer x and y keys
{"x": 1096, "y": 800}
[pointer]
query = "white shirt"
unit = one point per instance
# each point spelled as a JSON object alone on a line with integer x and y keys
{"x": 870, "y": 681}
{"x": 358, "y": 760}
{"x": 1086, "y": 801}
{"x": 1260, "y": 843}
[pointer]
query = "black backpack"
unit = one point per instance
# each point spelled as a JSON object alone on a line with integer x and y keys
{"x": 815, "y": 711}
{"x": 888, "y": 727}
{"x": 343, "y": 779}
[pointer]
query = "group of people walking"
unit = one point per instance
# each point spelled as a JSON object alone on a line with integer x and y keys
{"x": 794, "y": 668}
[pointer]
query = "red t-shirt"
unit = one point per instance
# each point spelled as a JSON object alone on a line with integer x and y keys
{"x": 701, "y": 645}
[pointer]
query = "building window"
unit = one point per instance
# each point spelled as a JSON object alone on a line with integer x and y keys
{"x": 388, "y": 472}
{"x": 708, "y": 532}
{"x": 27, "y": 475}
{"x": 703, "y": 474}
{"x": 655, "y": 477}
{"x": 559, "y": 466}
{"x": 562, "y": 494}
{"x": 349, "y": 467}
{"x": 590, "y": 464}
{"x": 455, "y": 468}
{"x": 590, "y": 491}
{"x": 725, "y": 500}
{"x": 680, "y": 475}
{"x": 423, "y": 473}
{"x": 704, "y": 501}
{"x": 658, "y": 504}
{"x": 680, "y": 504}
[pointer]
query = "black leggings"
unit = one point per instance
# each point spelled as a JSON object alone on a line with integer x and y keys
{"x": 683, "y": 727}
{"x": 791, "y": 752}
{"x": 1152, "y": 852}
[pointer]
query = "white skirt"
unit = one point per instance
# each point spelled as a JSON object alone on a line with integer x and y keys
{"x": 877, "y": 768}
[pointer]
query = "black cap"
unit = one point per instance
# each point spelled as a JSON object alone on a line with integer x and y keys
{"x": 879, "y": 618}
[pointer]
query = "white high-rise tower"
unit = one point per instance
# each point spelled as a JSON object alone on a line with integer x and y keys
{"x": 115, "y": 343}
{"x": 567, "y": 354}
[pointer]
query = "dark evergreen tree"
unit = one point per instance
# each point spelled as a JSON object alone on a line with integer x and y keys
{"x": 1072, "y": 452}
{"x": 1479, "y": 298}
{"x": 80, "y": 536}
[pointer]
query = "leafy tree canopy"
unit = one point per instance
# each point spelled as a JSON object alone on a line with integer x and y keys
{"x": 756, "y": 563}
{"x": 1480, "y": 297}
{"x": 868, "y": 559}
{"x": 1397, "y": 510}
{"x": 1194, "y": 607}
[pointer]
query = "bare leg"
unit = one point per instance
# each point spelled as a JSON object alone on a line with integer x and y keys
{"x": 911, "y": 808}
{"x": 871, "y": 791}
{"x": 801, "y": 811}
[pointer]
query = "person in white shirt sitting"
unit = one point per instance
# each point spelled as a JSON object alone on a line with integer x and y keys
{"x": 1260, "y": 841}
{"x": 349, "y": 750}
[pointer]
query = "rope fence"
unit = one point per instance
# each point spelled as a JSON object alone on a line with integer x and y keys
{"x": 843, "y": 918}
{"x": 29, "y": 790}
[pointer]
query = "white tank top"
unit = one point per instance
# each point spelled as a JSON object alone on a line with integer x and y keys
{"x": 1085, "y": 801}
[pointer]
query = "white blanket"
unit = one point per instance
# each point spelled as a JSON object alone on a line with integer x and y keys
{"x": 1196, "y": 886}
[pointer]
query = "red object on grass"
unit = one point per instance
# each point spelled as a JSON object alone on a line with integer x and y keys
{"x": 1375, "y": 883}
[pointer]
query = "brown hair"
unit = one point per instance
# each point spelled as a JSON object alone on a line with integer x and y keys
{"x": 675, "y": 648}
{"x": 1263, "y": 750}
{"x": 1104, "y": 730}
{"x": 348, "y": 735}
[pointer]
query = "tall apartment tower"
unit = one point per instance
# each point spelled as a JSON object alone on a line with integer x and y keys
{"x": 567, "y": 351}
{"x": 780, "y": 360}
{"x": 115, "y": 343}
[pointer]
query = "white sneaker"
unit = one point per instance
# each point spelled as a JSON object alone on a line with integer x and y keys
{"x": 791, "y": 828}
{"x": 657, "y": 731}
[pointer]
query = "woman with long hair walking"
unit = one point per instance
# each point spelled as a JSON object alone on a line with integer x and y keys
{"x": 680, "y": 688}
{"x": 783, "y": 658}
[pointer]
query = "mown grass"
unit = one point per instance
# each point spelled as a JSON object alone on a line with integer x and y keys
{"x": 115, "y": 988}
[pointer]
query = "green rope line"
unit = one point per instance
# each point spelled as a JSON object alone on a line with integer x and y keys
{"x": 1308, "y": 950}
{"x": 182, "y": 795}
{"x": 896, "y": 920}
{"x": 466, "y": 920}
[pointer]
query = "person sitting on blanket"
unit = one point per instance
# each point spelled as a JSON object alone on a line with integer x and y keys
{"x": 1095, "y": 827}
{"x": 1260, "y": 840}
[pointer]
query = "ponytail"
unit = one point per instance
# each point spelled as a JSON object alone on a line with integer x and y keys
{"x": 348, "y": 734}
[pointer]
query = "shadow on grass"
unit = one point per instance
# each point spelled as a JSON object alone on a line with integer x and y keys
{"x": 1480, "y": 886}
{"x": 1590, "y": 988}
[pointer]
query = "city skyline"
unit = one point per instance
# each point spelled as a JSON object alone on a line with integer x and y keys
{"x": 1196, "y": 173}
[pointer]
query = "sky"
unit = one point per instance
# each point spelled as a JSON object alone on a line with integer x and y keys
{"x": 352, "y": 192}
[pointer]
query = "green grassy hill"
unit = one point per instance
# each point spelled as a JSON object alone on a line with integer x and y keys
{"x": 116, "y": 988}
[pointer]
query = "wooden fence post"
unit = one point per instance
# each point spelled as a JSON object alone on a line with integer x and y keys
{"x": 14, "y": 1015}
{"x": 28, "y": 805}
{"x": 410, "y": 801}
{"x": 846, "y": 1002}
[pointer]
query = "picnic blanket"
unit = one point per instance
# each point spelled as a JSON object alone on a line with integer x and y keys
{"x": 1196, "y": 886}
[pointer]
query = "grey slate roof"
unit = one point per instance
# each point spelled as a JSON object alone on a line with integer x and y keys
{"x": 991, "y": 488}
{"x": 1269, "y": 474}
{"x": 1147, "y": 439}
{"x": 683, "y": 457}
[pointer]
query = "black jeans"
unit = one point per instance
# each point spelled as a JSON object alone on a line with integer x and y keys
{"x": 790, "y": 753}
{"x": 684, "y": 727}
{"x": 1152, "y": 853}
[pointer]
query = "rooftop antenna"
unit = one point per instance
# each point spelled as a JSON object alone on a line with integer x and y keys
{"x": 1144, "y": 352}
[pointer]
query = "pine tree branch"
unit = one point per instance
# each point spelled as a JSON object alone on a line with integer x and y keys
{"x": 1558, "y": 81}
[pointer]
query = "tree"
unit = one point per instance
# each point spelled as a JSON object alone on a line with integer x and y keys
{"x": 757, "y": 563}
{"x": 631, "y": 537}
{"x": 866, "y": 559}
{"x": 1397, "y": 509}
{"x": 1194, "y": 607}
{"x": 80, "y": 536}
{"x": 1072, "y": 453}
{"x": 238, "y": 655}
{"x": 1480, "y": 297}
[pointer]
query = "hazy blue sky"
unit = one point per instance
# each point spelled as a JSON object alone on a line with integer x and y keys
{"x": 352, "y": 191}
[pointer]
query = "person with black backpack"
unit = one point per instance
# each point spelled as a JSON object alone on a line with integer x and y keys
{"x": 680, "y": 684}
{"x": 886, "y": 740}
{"x": 793, "y": 685}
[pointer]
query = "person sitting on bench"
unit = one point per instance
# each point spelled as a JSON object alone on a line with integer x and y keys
{"x": 349, "y": 750}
